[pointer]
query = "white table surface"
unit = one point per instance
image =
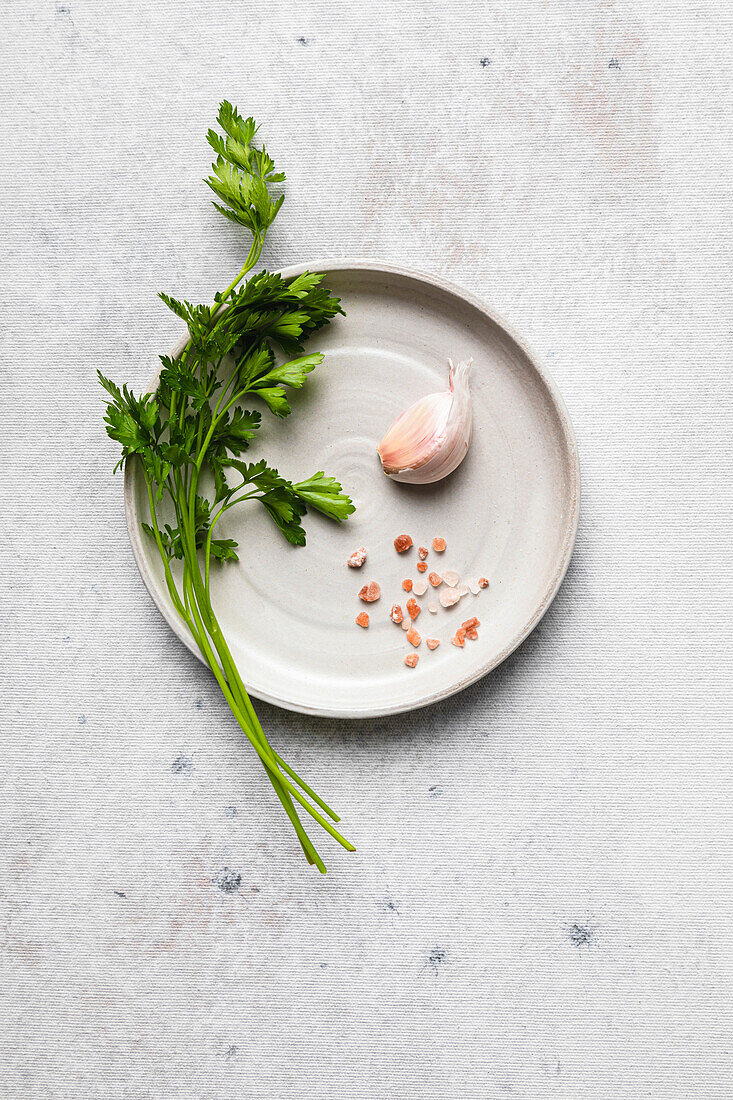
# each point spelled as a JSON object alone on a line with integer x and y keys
{"x": 540, "y": 904}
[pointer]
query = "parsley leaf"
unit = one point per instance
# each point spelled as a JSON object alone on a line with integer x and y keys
{"x": 224, "y": 549}
{"x": 275, "y": 399}
{"x": 234, "y": 432}
{"x": 325, "y": 495}
{"x": 242, "y": 172}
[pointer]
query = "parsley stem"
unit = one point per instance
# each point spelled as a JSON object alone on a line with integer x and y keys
{"x": 211, "y": 626}
{"x": 308, "y": 790}
{"x": 278, "y": 781}
{"x": 170, "y": 583}
{"x": 253, "y": 716}
{"x": 252, "y": 257}
{"x": 321, "y": 821}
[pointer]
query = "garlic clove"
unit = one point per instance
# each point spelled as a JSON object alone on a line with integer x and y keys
{"x": 430, "y": 439}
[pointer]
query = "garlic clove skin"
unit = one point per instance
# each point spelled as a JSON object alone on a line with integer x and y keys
{"x": 430, "y": 439}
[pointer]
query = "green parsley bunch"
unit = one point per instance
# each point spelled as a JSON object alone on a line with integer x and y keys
{"x": 194, "y": 429}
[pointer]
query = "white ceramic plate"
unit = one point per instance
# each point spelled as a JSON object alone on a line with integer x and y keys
{"x": 509, "y": 512}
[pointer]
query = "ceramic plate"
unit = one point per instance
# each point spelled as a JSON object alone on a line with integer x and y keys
{"x": 509, "y": 512}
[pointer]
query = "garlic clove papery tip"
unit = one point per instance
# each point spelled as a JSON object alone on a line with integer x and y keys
{"x": 430, "y": 439}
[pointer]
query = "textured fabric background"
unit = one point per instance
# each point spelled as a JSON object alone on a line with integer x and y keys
{"x": 540, "y": 904}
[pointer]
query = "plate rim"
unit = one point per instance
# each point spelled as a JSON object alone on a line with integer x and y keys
{"x": 570, "y": 453}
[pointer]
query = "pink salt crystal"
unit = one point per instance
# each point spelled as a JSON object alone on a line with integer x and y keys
{"x": 439, "y": 545}
{"x": 449, "y": 596}
{"x": 370, "y": 592}
{"x": 396, "y": 613}
{"x": 483, "y": 582}
{"x": 422, "y": 552}
{"x": 362, "y": 619}
{"x": 357, "y": 559}
{"x": 411, "y": 660}
{"x": 432, "y": 643}
{"x": 413, "y": 637}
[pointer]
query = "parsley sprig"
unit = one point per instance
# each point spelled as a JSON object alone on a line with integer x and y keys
{"x": 189, "y": 436}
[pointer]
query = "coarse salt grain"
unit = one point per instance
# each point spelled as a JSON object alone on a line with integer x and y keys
{"x": 362, "y": 619}
{"x": 459, "y": 639}
{"x": 435, "y": 580}
{"x": 357, "y": 559}
{"x": 472, "y": 633}
{"x": 422, "y": 552}
{"x": 413, "y": 608}
{"x": 413, "y": 637}
{"x": 473, "y": 585}
{"x": 422, "y": 567}
{"x": 451, "y": 578}
{"x": 483, "y": 582}
{"x": 370, "y": 592}
{"x": 449, "y": 596}
{"x": 406, "y": 624}
{"x": 420, "y": 587}
{"x": 473, "y": 621}
{"x": 396, "y": 613}
{"x": 462, "y": 589}
{"x": 432, "y": 643}
{"x": 411, "y": 660}
{"x": 402, "y": 543}
{"x": 433, "y": 608}
{"x": 407, "y": 585}
{"x": 439, "y": 545}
